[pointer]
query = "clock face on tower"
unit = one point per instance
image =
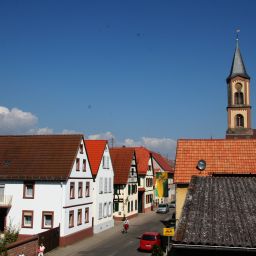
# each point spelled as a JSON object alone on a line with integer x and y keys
{"x": 238, "y": 87}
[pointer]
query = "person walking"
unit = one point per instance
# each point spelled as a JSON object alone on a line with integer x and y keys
{"x": 41, "y": 250}
{"x": 126, "y": 225}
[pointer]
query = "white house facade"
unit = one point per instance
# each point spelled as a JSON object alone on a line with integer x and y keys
{"x": 103, "y": 185}
{"x": 46, "y": 183}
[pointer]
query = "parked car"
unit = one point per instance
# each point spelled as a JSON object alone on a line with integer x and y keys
{"x": 172, "y": 204}
{"x": 148, "y": 240}
{"x": 162, "y": 208}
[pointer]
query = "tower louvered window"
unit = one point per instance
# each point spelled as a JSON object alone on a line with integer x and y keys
{"x": 239, "y": 121}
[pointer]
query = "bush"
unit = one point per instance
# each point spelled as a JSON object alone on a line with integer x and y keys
{"x": 9, "y": 236}
{"x": 157, "y": 251}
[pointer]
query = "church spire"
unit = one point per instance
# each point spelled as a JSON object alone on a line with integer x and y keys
{"x": 239, "y": 108}
{"x": 238, "y": 67}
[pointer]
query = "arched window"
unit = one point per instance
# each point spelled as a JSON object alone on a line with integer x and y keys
{"x": 239, "y": 120}
{"x": 239, "y": 98}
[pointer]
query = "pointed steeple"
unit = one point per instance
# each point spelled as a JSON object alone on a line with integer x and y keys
{"x": 238, "y": 67}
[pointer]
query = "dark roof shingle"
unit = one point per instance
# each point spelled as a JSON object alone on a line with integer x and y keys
{"x": 219, "y": 211}
{"x": 48, "y": 157}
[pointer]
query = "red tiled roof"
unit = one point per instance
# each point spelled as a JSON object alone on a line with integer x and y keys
{"x": 38, "y": 157}
{"x": 121, "y": 160}
{"x": 95, "y": 150}
{"x": 222, "y": 157}
{"x": 163, "y": 162}
{"x": 142, "y": 158}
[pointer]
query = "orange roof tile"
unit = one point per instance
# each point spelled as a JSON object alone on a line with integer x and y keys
{"x": 163, "y": 162}
{"x": 95, "y": 150}
{"x": 142, "y": 158}
{"x": 121, "y": 160}
{"x": 222, "y": 157}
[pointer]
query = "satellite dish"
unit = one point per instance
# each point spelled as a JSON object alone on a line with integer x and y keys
{"x": 201, "y": 165}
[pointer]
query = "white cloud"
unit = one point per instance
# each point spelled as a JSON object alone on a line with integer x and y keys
{"x": 66, "y": 131}
{"x": 15, "y": 120}
{"x": 41, "y": 131}
{"x": 102, "y": 136}
{"x": 164, "y": 146}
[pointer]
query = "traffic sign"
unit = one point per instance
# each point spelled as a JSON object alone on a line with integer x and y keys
{"x": 168, "y": 231}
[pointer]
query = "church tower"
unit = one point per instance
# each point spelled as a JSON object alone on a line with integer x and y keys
{"x": 239, "y": 108}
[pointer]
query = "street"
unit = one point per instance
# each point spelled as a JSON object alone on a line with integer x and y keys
{"x": 113, "y": 242}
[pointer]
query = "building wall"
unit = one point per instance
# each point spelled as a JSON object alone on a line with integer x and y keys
{"x": 103, "y": 195}
{"x": 76, "y": 204}
{"x": 43, "y": 191}
{"x": 181, "y": 192}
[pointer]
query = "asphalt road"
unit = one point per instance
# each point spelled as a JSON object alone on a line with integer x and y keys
{"x": 113, "y": 242}
{"x": 126, "y": 244}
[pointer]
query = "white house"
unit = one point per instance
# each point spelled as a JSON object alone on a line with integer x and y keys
{"x": 103, "y": 177}
{"x": 125, "y": 183}
{"x": 46, "y": 182}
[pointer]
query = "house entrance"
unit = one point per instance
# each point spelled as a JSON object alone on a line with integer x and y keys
{"x": 140, "y": 201}
{"x": 3, "y": 213}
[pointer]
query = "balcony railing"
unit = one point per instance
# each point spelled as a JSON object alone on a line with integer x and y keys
{"x": 5, "y": 200}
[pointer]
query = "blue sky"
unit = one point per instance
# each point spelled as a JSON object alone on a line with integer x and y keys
{"x": 144, "y": 72}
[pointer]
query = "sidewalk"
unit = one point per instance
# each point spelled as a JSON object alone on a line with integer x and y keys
{"x": 97, "y": 238}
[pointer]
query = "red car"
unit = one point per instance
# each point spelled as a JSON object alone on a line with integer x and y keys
{"x": 148, "y": 240}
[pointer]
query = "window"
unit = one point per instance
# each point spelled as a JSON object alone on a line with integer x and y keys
{"x": 239, "y": 120}
{"x": 80, "y": 189}
{"x": 47, "y": 220}
{"x": 105, "y": 162}
{"x": 131, "y": 206}
{"x": 128, "y": 206}
{"x": 116, "y": 206}
{"x": 78, "y": 164}
{"x": 86, "y": 215}
{"x": 87, "y": 189}
{"x": 106, "y": 185}
{"x": 132, "y": 171}
{"x": 239, "y": 98}
{"x": 71, "y": 218}
{"x": 79, "y": 216}
{"x": 136, "y": 203}
{"x": 28, "y": 190}
{"x": 109, "y": 209}
{"x": 81, "y": 149}
{"x": 27, "y": 219}
{"x": 101, "y": 186}
{"x": 100, "y": 211}
{"x": 129, "y": 190}
{"x": 149, "y": 168}
{"x": 72, "y": 190}
{"x": 109, "y": 185}
{"x": 84, "y": 165}
{"x": 105, "y": 210}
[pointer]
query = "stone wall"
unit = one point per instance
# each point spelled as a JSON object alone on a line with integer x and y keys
{"x": 28, "y": 246}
